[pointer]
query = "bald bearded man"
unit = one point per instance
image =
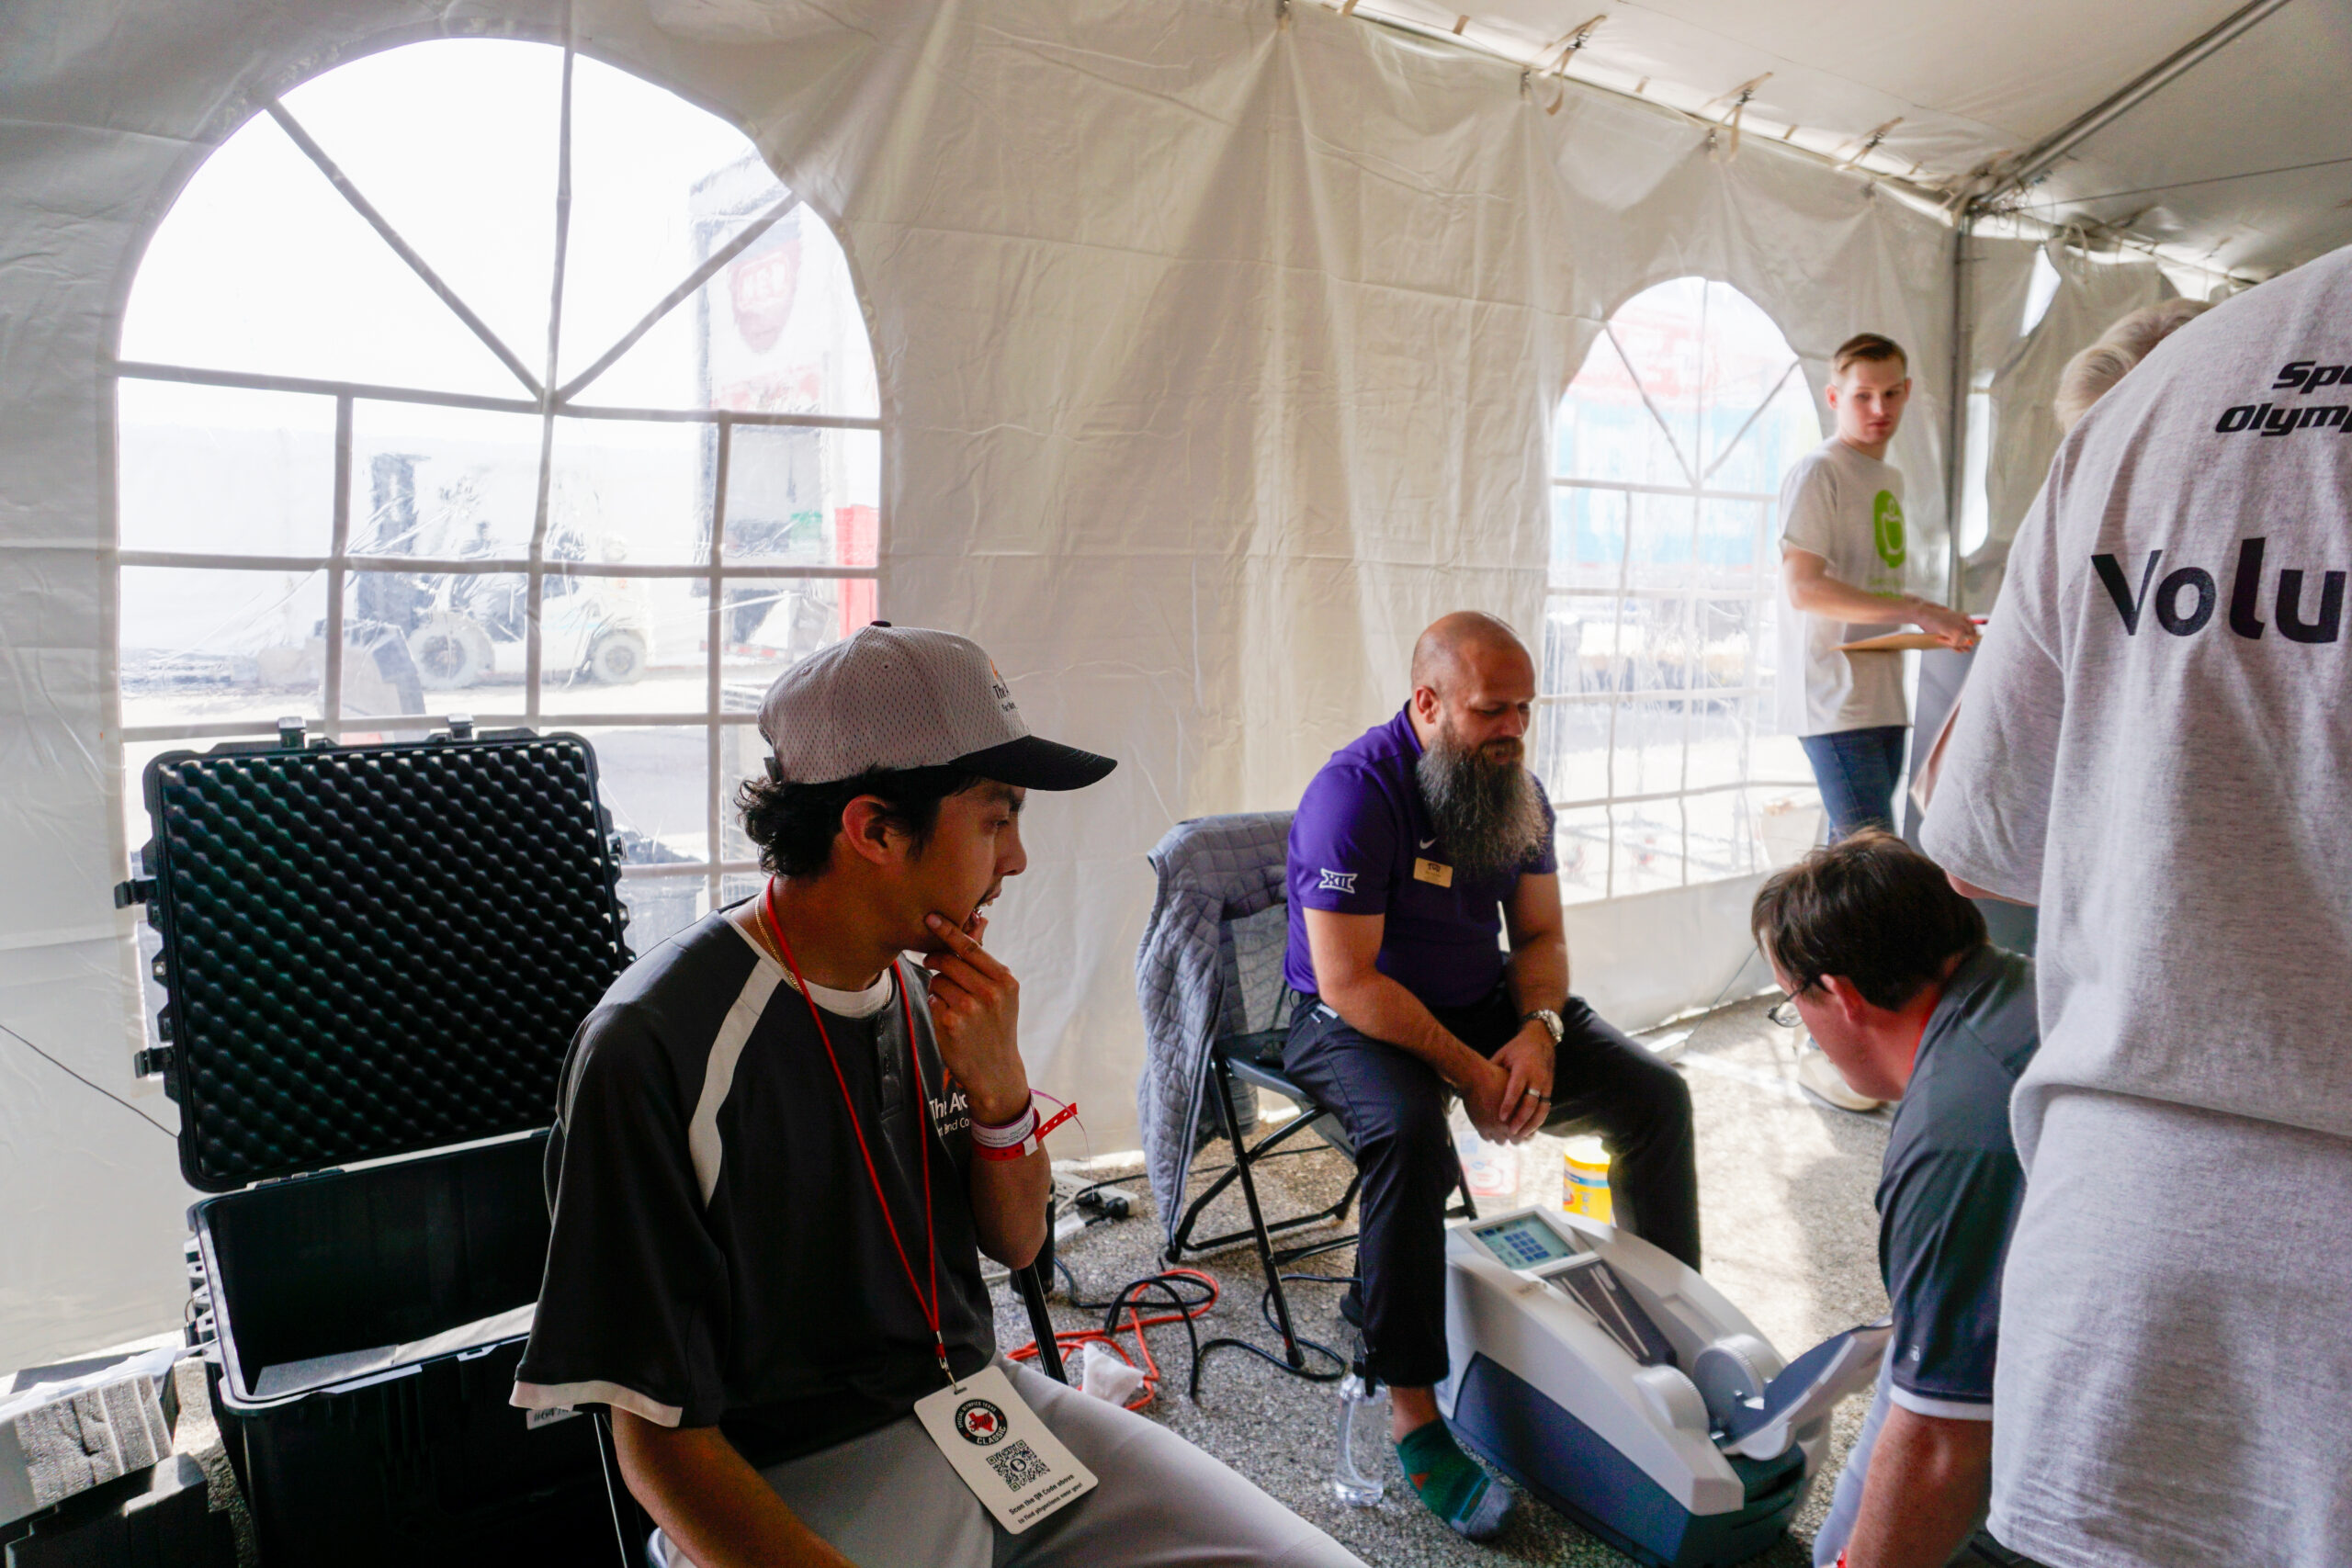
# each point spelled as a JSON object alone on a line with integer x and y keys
{"x": 1414, "y": 848}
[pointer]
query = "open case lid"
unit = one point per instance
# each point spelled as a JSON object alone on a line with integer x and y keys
{"x": 372, "y": 950}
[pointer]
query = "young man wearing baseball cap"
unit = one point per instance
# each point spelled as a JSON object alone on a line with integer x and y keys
{"x": 781, "y": 1149}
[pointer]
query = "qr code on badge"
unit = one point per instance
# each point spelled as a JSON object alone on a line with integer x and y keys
{"x": 1018, "y": 1466}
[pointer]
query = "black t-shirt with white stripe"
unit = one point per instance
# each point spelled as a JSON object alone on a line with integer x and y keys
{"x": 719, "y": 1255}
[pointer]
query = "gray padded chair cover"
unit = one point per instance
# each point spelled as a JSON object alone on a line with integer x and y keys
{"x": 1210, "y": 965}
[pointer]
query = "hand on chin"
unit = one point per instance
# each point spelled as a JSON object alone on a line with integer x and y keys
{"x": 931, "y": 942}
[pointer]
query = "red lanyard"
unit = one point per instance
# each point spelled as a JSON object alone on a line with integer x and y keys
{"x": 929, "y": 1303}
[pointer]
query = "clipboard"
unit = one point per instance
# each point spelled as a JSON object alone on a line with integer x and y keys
{"x": 1899, "y": 642}
{"x": 1892, "y": 642}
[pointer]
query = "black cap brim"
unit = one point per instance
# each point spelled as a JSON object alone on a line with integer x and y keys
{"x": 1031, "y": 762}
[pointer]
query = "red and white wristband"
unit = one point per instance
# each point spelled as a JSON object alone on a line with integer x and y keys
{"x": 1019, "y": 1139}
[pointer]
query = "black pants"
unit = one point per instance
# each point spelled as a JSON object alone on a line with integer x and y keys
{"x": 1393, "y": 1105}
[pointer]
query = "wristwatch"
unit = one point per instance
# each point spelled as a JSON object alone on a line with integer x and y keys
{"x": 1550, "y": 1022}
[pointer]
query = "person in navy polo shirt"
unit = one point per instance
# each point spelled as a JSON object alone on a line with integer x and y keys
{"x": 1889, "y": 967}
{"x": 1416, "y": 847}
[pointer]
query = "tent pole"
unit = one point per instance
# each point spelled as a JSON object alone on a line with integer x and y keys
{"x": 2038, "y": 160}
{"x": 1956, "y": 414}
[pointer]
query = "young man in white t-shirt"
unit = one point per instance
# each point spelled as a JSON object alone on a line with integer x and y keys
{"x": 2156, "y": 750}
{"x": 1842, "y": 554}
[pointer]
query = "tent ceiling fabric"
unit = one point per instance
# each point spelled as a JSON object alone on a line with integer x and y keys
{"x": 2253, "y": 106}
{"x": 1968, "y": 83}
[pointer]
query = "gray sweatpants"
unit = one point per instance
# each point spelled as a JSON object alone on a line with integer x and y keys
{"x": 889, "y": 1500}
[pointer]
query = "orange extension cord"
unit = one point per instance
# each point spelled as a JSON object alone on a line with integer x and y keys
{"x": 1070, "y": 1339}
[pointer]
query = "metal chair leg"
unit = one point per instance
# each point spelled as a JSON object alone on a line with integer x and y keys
{"x": 1186, "y": 1242}
{"x": 1033, "y": 1283}
{"x": 1290, "y": 1352}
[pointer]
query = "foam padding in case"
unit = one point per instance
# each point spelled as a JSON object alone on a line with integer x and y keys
{"x": 374, "y": 950}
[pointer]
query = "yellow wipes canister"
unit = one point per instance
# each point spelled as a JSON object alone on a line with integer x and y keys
{"x": 1584, "y": 1186}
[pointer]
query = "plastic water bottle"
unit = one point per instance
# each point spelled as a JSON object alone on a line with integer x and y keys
{"x": 1491, "y": 1168}
{"x": 1349, "y": 1483}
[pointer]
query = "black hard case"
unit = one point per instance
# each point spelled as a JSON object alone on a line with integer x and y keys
{"x": 156, "y": 1518}
{"x": 369, "y": 952}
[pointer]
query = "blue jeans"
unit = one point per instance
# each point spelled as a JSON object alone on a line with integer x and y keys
{"x": 1857, "y": 770}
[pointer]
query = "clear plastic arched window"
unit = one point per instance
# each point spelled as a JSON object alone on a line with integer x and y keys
{"x": 481, "y": 375}
{"x": 1657, "y": 736}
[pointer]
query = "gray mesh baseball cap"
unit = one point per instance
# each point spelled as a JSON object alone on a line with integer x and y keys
{"x": 906, "y": 697}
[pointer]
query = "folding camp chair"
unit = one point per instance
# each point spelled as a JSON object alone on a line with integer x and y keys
{"x": 1248, "y": 1050}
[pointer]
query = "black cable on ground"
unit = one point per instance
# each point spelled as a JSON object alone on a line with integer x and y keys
{"x": 1280, "y": 1363}
{"x": 1195, "y": 1173}
{"x": 1266, "y": 1313}
{"x": 1168, "y": 1286}
{"x": 1127, "y": 1294}
{"x": 1118, "y": 1301}
{"x": 1172, "y": 1288}
{"x": 1266, "y": 1300}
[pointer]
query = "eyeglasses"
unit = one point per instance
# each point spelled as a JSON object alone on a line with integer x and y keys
{"x": 1785, "y": 1014}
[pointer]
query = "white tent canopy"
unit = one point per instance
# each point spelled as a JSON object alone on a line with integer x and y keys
{"x": 2194, "y": 127}
{"x": 1217, "y": 346}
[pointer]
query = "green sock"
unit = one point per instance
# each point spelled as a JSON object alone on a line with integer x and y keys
{"x": 1450, "y": 1482}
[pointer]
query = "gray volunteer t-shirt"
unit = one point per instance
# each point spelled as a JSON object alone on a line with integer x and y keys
{"x": 1848, "y": 509}
{"x": 2156, "y": 747}
{"x": 2155, "y": 744}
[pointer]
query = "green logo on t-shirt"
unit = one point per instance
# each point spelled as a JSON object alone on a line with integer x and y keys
{"x": 1886, "y": 528}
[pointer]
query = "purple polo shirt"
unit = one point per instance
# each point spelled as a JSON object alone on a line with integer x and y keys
{"x": 1360, "y": 829}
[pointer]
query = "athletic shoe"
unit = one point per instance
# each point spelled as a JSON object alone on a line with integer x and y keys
{"x": 1669, "y": 1047}
{"x": 1822, "y": 1081}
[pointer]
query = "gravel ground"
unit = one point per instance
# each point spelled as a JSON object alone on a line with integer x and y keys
{"x": 1789, "y": 1235}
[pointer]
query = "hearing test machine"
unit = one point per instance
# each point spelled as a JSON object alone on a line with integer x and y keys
{"x": 1614, "y": 1382}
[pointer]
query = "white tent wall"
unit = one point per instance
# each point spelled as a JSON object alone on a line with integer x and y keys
{"x": 1218, "y": 353}
{"x": 1652, "y": 197}
{"x": 2091, "y": 295}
